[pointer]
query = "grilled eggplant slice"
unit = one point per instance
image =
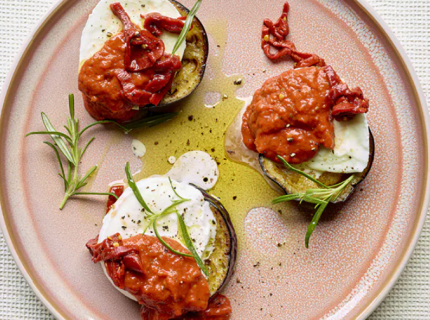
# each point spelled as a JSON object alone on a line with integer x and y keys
{"x": 193, "y": 62}
{"x": 221, "y": 262}
{"x": 292, "y": 182}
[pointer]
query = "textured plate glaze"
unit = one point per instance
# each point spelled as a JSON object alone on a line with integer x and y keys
{"x": 358, "y": 250}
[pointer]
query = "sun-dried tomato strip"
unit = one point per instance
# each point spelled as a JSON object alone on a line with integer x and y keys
{"x": 145, "y": 51}
{"x": 142, "y": 48}
{"x": 156, "y": 88}
{"x": 164, "y": 283}
{"x": 274, "y": 35}
{"x": 346, "y": 102}
{"x": 118, "y": 191}
{"x": 106, "y": 250}
{"x": 116, "y": 257}
{"x": 131, "y": 92}
{"x": 155, "y": 22}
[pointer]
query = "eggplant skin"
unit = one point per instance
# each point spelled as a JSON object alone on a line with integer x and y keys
{"x": 222, "y": 260}
{"x": 188, "y": 78}
{"x": 292, "y": 182}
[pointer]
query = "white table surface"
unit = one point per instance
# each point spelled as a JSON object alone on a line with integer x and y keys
{"x": 410, "y": 21}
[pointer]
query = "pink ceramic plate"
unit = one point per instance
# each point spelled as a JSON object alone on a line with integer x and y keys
{"x": 356, "y": 253}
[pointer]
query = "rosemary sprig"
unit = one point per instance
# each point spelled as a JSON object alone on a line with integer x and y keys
{"x": 68, "y": 145}
{"x": 320, "y": 197}
{"x": 187, "y": 25}
{"x": 153, "y": 218}
{"x": 136, "y": 191}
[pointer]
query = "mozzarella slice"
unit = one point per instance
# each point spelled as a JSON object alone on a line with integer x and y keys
{"x": 102, "y": 24}
{"x": 351, "y": 152}
{"x": 127, "y": 219}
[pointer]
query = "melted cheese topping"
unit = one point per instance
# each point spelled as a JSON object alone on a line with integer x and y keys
{"x": 351, "y": 151}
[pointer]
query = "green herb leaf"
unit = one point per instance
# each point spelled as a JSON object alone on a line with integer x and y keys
{"x": 82, "y": 182}
{"x": 190, "y": 245}
{"x": 287, "y": 197}
{"x": 72, "y": 105}
{"x": 58, "y": 156}
{"x": 312, "y": 198}
{"x": 314, "y": 222}
{"x": 151, "y": 121}
{"x": 174, "y": 190}
{"x": 51, "y": 133}
{"x": 96, "y": 194}
{"x": 102, "y": 122}
{"x": 135, "y": 189}
{"x": 147, "y": 226}
{"x": 172, "y": 207}
{"x": 58, "y": 141}
{"x": 187, "y": 26}
{"x": 289, "y": 166}
{"x": 154, "y": 227}
{"x": 341, "y": 187}
{"x": 69, "y": 175}
{"x": 86, "y": 146}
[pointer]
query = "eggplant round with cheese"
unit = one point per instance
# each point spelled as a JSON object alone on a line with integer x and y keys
{"x": 130, "y": 58}
{"x": 308, "y": 127}
{"x": 292, "y": 116}
{"x": 165, "y": 241}
{"x": 139, "y": 263}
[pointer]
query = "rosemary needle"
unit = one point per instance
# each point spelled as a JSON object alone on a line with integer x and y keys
{"x": 187, "y": 26}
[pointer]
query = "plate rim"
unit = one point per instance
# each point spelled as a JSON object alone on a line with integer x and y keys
{"x": 425, "y": 119}
{"x": 50, "y": 305}
{"x": 408, "y": 248}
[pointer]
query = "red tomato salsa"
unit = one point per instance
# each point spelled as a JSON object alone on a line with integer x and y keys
{"x": 291, "y": 114}
{"x": 132, "y": 69}
{"x": 219, "y": 308}
{"x": 166, "y": 285}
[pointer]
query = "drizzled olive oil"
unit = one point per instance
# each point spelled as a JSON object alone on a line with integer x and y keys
{"x": 201, "y": 124}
